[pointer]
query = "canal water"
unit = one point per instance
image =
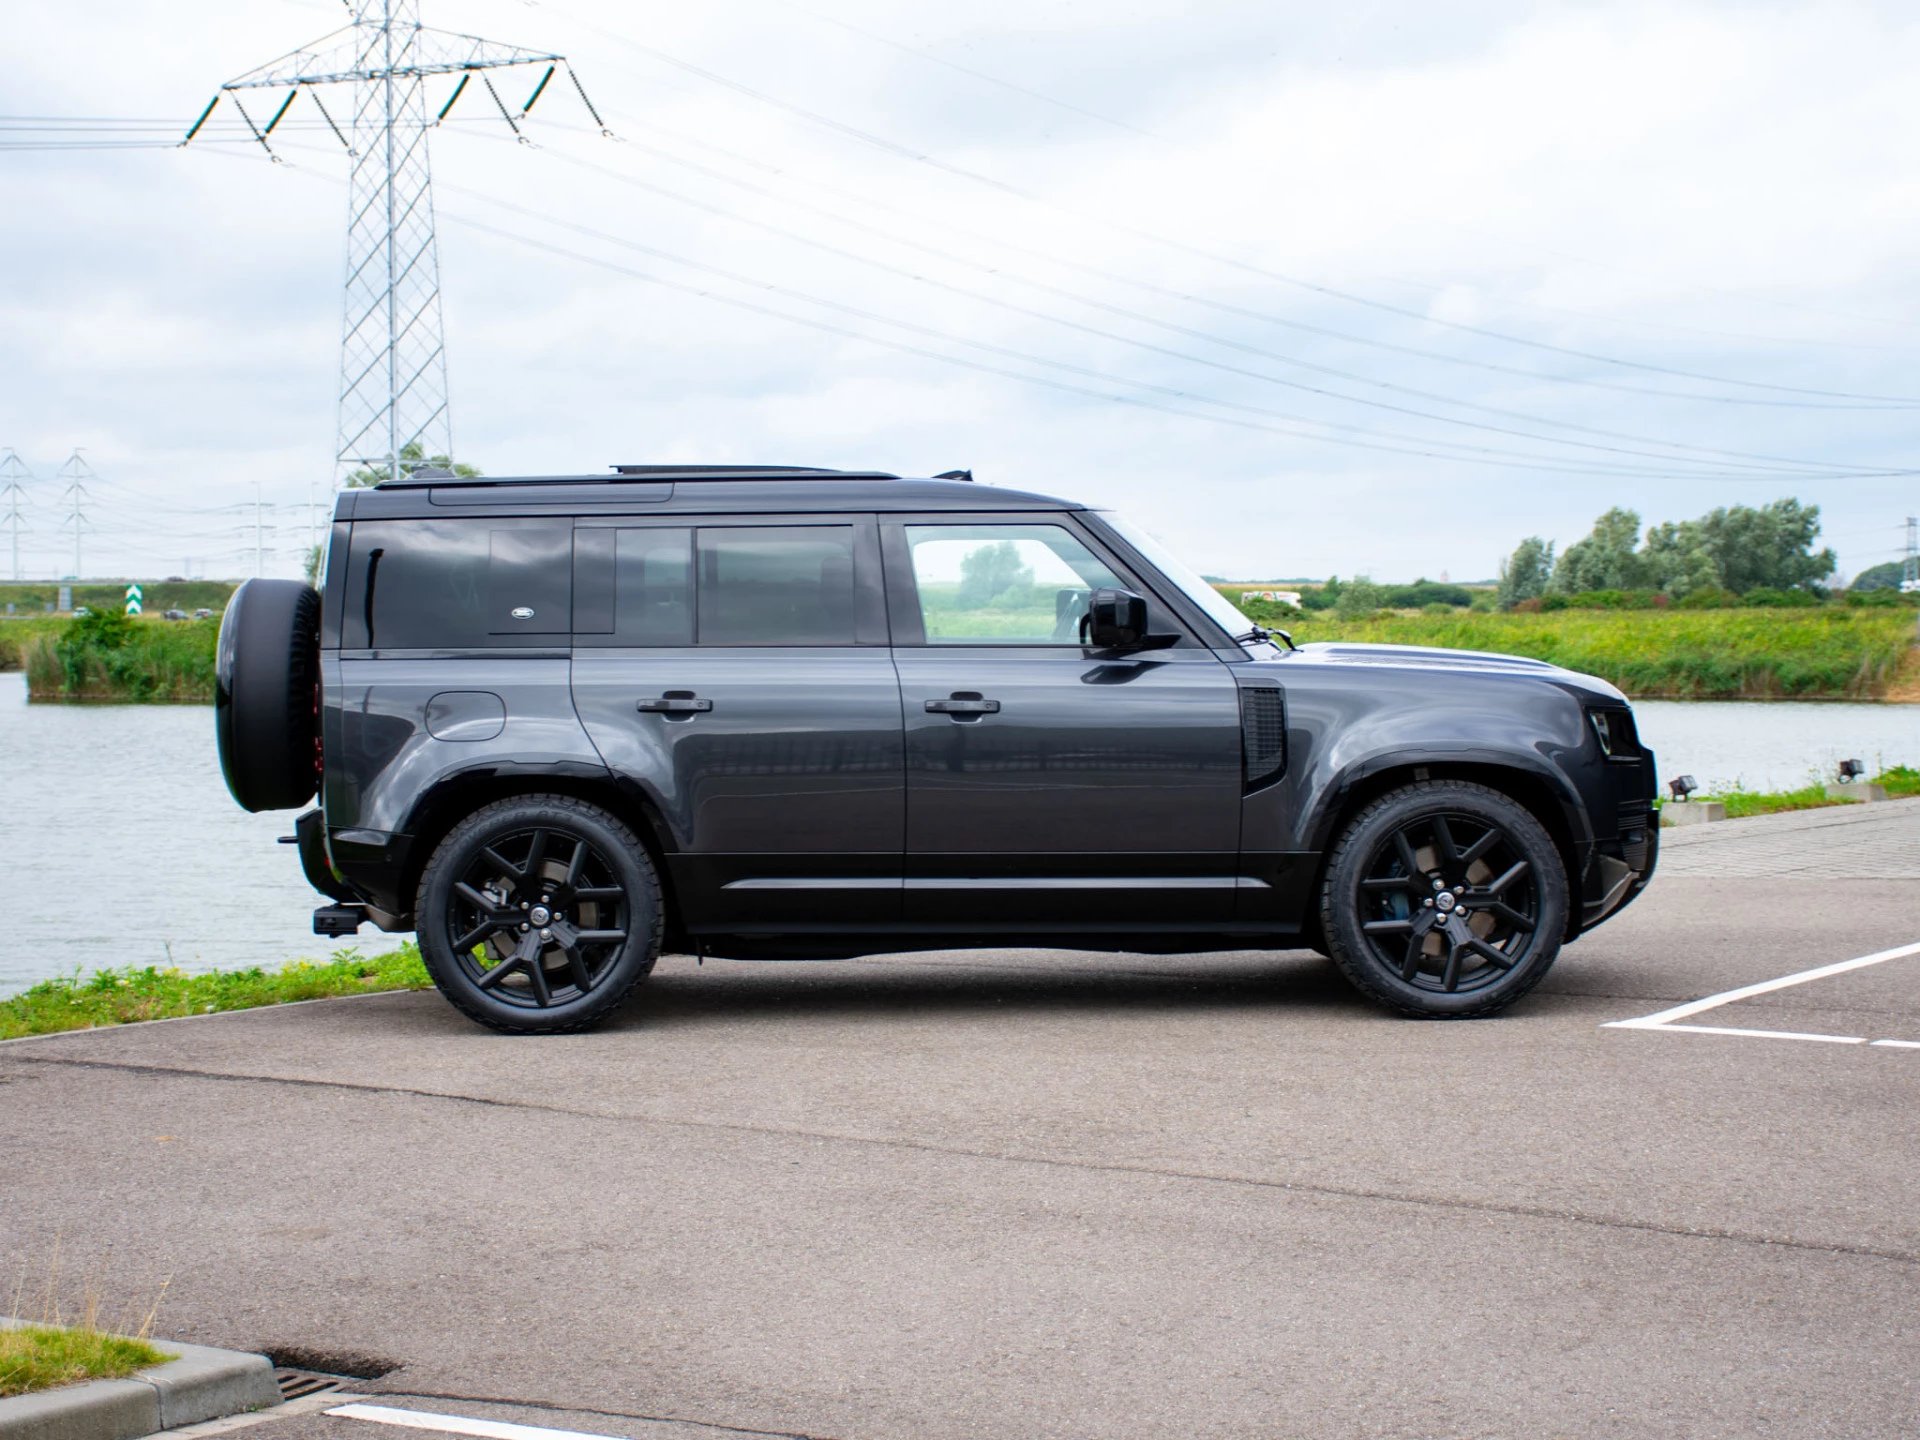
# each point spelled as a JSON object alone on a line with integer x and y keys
{"x": 119, "y": 845}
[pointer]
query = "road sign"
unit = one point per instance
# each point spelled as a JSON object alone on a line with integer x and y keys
{"x": 134, "y": 596}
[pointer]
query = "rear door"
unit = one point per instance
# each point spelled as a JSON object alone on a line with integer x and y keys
{"x": 1048, "y": 783}
{"x": 735, "y": 676}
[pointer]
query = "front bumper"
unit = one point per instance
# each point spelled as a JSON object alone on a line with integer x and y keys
{"x": 1619, "y": 868}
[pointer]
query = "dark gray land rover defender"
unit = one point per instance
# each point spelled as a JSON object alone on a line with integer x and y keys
{"x": 557, "y": 724}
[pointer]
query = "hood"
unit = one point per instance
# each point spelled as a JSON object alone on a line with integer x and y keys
{"x": 1422, "y": 658}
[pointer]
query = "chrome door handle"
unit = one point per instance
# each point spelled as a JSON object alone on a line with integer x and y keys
{"x": 676, "y": 702}
{"x": 963, "y": 703}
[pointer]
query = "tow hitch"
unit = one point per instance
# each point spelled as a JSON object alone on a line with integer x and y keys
{"x": 338, "y": 920}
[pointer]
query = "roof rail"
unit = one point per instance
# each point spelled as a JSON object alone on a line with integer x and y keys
{"x": 635, "y": 474}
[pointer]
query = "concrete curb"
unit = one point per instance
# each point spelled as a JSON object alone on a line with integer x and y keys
{"x": 203, "y": 1384}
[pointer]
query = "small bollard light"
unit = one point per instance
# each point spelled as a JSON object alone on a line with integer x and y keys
{"x": 1851, "y": 770}
{"x": 1682, "y": 786}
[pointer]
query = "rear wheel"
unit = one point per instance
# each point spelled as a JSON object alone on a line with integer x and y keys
{"x": 1444, "y": 899}
{"x": 539, "y": 914}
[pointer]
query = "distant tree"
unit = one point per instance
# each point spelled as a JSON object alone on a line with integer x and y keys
{"x": 1771, "y": 546}
{"x": 314, "y": 555}
{"x": 1879, "y": 577}
{"x": 413, "y": 456}
{"x": 1678, "y": 562}
{"x": 1605, "y": 560}
{"x": 991, "y": 571}
{"x": 1740, "y": 548}
{"x": 1358, "y": 596}
{"x": 1525, "y": 573}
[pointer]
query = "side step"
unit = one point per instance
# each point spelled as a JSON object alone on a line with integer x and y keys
{"x": 338, "y": 920}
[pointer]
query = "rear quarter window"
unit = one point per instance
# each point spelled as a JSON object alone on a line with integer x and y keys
{"x": 457, "y": 584}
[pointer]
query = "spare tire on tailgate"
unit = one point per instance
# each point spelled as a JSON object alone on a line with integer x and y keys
{"x": 266, "y": 696}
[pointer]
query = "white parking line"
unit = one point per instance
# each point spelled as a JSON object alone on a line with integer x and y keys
{"x": 460, "y": 1424}
{"x": 1668, "y": 1019}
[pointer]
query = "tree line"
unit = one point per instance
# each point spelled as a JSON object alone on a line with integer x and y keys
{"x": 1736, "y": 550}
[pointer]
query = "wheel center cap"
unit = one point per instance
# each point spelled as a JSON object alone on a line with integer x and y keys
{"x": 1444, "y": 901}
{"x": 540, "y": 915}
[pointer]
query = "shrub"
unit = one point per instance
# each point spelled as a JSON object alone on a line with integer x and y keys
{"x": 1770, "y": 596}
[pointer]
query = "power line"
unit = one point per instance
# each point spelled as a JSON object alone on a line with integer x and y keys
{"x": 1786, "y": 464}
{"x": 1301, "y": 429}
{"x": 947, "y": 225}
{"x": 1329, "y": 292}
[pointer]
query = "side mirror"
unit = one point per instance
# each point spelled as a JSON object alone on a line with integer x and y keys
{"x": 1116, "y": 620}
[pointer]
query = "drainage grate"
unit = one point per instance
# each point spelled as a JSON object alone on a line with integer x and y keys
{"x": 298, "y": 1384}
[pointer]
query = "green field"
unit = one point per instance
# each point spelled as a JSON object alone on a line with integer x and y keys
{"x": 1829, "y": 652}
{"x": 33, "y": 597}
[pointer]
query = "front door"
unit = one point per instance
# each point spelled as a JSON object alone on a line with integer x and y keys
{"x": 1049, "y": 784}
{"x": 735, "y": 677}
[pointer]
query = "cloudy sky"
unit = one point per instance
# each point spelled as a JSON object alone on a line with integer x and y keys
{"x": 1375, "y": 288}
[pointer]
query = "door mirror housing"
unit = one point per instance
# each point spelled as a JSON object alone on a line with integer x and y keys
{"x": 1116, "y": 620}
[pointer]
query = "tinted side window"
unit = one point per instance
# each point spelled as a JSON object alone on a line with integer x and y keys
{"x": 1003, "y": 584}
{"x": 455, "y": 584}
{"x": 653, "y": 587}
{"x": 776, "y": 585}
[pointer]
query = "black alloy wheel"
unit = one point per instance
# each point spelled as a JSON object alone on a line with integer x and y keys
{"x": 1445, "y": 899}
{"x": 539, "y": 915}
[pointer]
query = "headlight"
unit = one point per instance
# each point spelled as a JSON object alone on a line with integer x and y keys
{"x": 1615, "y": 731}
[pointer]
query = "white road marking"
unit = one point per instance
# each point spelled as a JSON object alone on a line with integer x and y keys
{"x": 460, "y": 1424}
{"x": 1668, "y": 1019}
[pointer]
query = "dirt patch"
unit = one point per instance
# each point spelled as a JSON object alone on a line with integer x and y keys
{"x": 1905, "y": 685}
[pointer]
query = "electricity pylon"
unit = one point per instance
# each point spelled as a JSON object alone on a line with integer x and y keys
{"x": 76, "y": 472}
{"x": 393, "y": 358}
{"x": 13, "y": 470}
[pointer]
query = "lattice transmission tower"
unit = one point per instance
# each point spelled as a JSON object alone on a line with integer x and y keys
{"x": 393, "y": 401}
{"x": 13, "y": 470}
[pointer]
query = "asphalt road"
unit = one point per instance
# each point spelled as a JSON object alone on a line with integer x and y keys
{"x": 1022, "y": 1194}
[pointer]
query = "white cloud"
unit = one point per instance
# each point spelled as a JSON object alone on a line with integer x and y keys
{"x": 1708, "y": 187}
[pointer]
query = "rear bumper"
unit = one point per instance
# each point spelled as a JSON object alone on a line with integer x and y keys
{"x": 357, "y": 867}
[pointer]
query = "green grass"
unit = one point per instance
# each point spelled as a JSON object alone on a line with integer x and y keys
{"x": 1832, "y": 652}
{"x": 110, "y": 657}
{"x": 39, "y": 1357}
{"x": 122, "y": 997}
{"x": 18, "y": 635}
{"x": 1900, "y": 782}
{"x": 155, "y": 595}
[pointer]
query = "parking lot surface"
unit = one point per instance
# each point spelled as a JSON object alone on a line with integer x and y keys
{"x": 1036, "y": 1194}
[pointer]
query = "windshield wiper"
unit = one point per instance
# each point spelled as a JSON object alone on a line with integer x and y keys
{"x": 1260, "y": 632}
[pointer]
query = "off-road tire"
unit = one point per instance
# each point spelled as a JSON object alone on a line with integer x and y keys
{"x": 615, "y": 845}
{"x": 266, "y": 698}
{"x": 1370, "y": 836}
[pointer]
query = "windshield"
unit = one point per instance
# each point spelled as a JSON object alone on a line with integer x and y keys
{"x": 1219, "y": 609}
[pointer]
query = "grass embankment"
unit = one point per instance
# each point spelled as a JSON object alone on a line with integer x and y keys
{"x": 1902, "y": 782}
{"x": 1828, "y": 653}
{"x": 39, "y": 1357}
{"x": 108, "y": 656}
{"x": 122, "y": 997}
{"x": 17, "y": 637}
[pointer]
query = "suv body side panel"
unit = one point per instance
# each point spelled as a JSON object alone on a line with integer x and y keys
{"x": 781, "y": 795}
{"x": 398, "y": 727}
{"x": 1104, "y": 790}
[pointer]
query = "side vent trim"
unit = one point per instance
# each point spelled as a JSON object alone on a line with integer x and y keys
{"x": 1263, "y": 735}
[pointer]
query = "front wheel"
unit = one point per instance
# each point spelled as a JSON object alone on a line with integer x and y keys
{"x": 1444, "y": 899}
{"x": 539, "y": 915}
